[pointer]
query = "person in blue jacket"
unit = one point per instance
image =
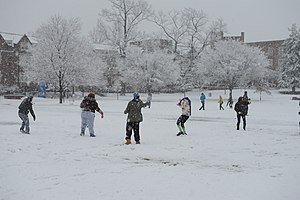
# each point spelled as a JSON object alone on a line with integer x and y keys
{"x": 202, "y": 100}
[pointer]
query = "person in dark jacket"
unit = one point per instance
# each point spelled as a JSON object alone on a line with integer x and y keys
{"x": 89, "y": 105}
{"x": 241, "y": 108}
{"x": 24, "y": 108}
{"x": 246, "y": 100}
{"x": 134, "y": 118}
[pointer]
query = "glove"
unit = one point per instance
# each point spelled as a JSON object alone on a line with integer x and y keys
{"x": 33, "y": 117}
{"x": 102, "y": 114}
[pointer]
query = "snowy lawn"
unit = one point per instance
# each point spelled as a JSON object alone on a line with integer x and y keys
{"x": 213, "y": 162}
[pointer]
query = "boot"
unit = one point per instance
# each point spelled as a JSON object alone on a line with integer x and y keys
{"x": 128, "y": 141}
{"x": 138, "y": 142}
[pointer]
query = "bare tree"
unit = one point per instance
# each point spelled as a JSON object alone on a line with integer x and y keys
{"x": 119, "y": 25}
{"x": 174, "y": 26}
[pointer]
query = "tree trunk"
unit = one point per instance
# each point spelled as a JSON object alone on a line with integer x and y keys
{"x": 294, "y": 89}
{"x": 61, "y": 89}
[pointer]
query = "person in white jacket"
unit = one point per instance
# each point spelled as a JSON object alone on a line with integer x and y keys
{"x": 185, "y": 105}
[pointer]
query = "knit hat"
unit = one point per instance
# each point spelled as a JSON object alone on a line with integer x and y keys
{"x": 92, "y": 95}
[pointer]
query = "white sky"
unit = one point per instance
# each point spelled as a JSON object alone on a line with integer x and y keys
{"x": 259, "y": 19}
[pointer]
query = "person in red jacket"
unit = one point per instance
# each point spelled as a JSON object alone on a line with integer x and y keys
{"x": 89, "y": 105}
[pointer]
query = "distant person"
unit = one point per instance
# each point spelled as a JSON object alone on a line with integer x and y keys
{"x": 89, "y": 105}
{"x": 24, "y": 108}
{"x": 221, "y": 102}
{"x": 134, "y": 118}
{"x": 185, "y": 105}
{"x": 246, "y": 100}
{"x": 202, "y": 100}
{"x": 241, "y": 108}
{"x": 229, "y": 102}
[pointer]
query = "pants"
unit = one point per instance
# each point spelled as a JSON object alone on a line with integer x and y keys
{"x": 221, "y": 106}
{"x": 135, "y": 126}
{"x": 202, "y": 106}
{"x": 25, "y": 122}
{"x": 181, "y": 120}
{"x": 87, "y": 120}
{"x": 239, "y": 116}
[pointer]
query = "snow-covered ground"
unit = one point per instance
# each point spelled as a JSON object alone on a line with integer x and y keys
{"x": 213, "y": 162}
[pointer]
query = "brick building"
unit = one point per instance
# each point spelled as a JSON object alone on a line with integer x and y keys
{"x": 272, "y": 49}
{"x": 13, "y": 47}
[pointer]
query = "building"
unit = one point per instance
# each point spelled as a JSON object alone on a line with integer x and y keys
{"x": 13, "y": 47}
{"x": 239, "y": 38}
{"x": 152, "y": 44}
{"x": 273, "y": 50}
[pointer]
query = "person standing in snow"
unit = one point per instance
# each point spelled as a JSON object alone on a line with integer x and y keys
{"x": 202, "y": 100}
{"x": 134, "y": 118}
{"x": 229, "y": 102}
{"x": 246, "y": 100}
{"x": 221, "y": 102}
{"x": 89, "y": 105}
{"x": 185, "y": 105}
{"x": 24, "y": 108}
{"x": 241, "y": 108}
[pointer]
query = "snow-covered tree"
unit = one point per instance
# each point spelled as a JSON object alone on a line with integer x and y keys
{"x": 232, "y": 64}
{"x": 119, "y": 25}
{"x": 148, "y": 71}
{"x": 191, "y": 33}
{"x": 291, "y": 59}
{"x": 62, "y": 57}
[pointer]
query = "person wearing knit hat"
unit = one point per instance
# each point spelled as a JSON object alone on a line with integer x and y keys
{"x": 134, "y": 118}
{"x": 89, "y": 105}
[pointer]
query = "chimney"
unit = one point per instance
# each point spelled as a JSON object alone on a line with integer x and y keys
{"x": 242, "y": 37}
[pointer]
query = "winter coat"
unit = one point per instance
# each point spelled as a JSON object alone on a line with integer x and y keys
{"x": 134, "y": 110}
{"x": 220, "y": 100}
{"x": 202, "y": 98}
{"x": 90, "y": 104}
{"x": 241, "y": 107}
{"x": 185, "y": 106}
{"x": 26, "y": 106}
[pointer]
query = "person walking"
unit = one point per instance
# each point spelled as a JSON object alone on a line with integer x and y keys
{"x": 89, "y": 105}
{"x": 134, "y": 118}
{"x": 221, "y": 103}
{"x": 229, "y": 102}
{"x": 24, "y": 108}
{"x": 202, "y": 100}
{"x": 185, "y": 105}
{"x": 241, "y": 108}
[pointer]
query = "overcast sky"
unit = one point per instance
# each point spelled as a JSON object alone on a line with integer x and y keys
{"x": 260, "y": 19}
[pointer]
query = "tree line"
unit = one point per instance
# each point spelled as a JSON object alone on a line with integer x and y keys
{"x": 197, "y": 57}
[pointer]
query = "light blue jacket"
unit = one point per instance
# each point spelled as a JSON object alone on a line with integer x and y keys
{"x": 202, "y": 98}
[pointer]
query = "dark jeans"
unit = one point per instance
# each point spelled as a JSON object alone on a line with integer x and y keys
{"x": 202, "y": 106}
{"x": 135, "y": 126}
{"x": 221, "y": 107}
{"x": 25, "y": 122}
{"x": 181, "y": 120}
{"x": 239, "y": 116}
